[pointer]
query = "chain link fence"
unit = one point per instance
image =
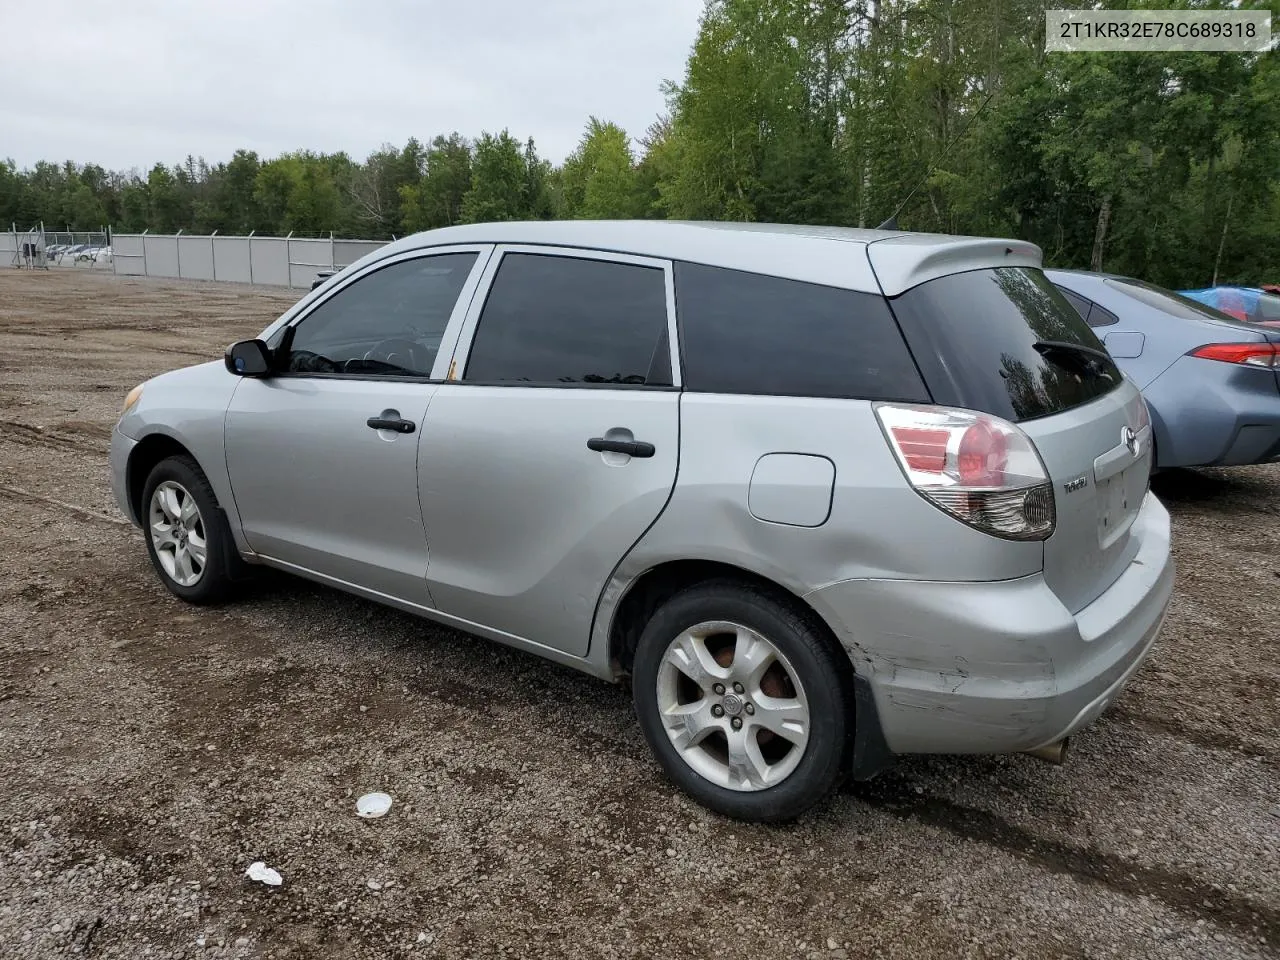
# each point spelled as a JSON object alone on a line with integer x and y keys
{"x": 40, "y": 248}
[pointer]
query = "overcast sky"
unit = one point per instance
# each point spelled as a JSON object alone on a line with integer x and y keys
{"x": 126, "y": 83}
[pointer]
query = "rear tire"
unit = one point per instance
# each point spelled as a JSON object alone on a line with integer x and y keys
{"x": 744, "y": 700}
{"x": 187, "y": 535}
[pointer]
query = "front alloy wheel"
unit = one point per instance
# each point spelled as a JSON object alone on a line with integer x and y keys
{"x": 187, "y": 535}
{"x": 178, "y": 534}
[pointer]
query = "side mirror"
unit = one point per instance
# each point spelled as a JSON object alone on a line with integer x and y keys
{"x": 248, "y": 358}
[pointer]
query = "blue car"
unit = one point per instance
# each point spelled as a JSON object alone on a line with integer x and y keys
{"x": 1212, "y": 383}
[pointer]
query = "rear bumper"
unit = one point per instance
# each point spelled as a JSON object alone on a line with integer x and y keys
{"x": 1252, "y": 443}
{"x": 1002, "y": 666}
{"x": 1213, "y": 414}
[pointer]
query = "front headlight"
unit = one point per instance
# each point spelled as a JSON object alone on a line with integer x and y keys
{"x": 131, "y": 400}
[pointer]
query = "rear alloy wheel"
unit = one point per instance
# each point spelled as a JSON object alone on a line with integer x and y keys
{"x": 743, "y": 701}
{"x": 732, "y": 706}
{"x": 187, "y": 534}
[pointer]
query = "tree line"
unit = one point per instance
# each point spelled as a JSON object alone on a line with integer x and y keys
{"x": 945, "y": 114}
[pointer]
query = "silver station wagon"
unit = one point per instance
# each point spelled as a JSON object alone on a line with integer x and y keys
{"x": 822, "y": 496}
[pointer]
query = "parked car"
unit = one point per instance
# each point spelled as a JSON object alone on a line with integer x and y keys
{"x": 1211, "y": 381}
{"x": 1250, "y": 304}
{"x": 93, "y": 254}
{"x": 321, "y": 277}
{"x": 824, "y": 496}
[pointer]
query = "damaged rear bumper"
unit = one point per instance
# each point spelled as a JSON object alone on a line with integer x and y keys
{"x": 998, "y": 667}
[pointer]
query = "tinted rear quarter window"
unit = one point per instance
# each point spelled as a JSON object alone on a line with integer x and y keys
{"x": 1101, "y": 317}
{"x": 746, "y": 333}
{"x": 974, "y": 335}
{"x": 567, "y": 320}
{"x": 1080, "y": 303}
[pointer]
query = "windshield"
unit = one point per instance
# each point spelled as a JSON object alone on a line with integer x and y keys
{"x": 1004, "y": 341}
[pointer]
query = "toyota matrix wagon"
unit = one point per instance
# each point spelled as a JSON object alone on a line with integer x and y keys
{"x": 822, "y": 496}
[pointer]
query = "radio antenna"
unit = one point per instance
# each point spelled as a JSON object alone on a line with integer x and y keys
{"x": 892, "y": 222}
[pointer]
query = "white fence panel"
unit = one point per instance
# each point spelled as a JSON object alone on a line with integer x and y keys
{"x": 195, "y": 258}
{"x": 161, "y": 255}
{"x": 8, "y": 244}
{"x": 307, "y": 258}
{"x": 126, "y": 255}
{"x": 274, "y": 261}
{"x": 231, "y": 259}
{"x": 347, "y": 252}
{"x": 270, "y": 260}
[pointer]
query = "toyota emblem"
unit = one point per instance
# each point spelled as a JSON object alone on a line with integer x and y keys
{"x": 1129, "y": 439}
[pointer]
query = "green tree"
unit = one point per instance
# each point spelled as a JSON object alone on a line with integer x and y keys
{"x": 499, "y": 177}
{"x": 756, "y": 122}
{"x": 599, "y": 179}
{"x": 542, "y": 186}
{"x": 435, "y": 200}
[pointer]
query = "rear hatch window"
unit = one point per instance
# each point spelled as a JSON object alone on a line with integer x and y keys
{"x": 1004, "y": 341}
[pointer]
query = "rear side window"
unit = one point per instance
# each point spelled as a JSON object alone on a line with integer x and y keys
{"x": 1001, "y": 341}
{"x": 1080, "y": 303}
{"x": 746, "y": 333}
{"x": 1101, "y": 317}
{"x": 564, "y": 321}
{"x": 1094, "y": 315}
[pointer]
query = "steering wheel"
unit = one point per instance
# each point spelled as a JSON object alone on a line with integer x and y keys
{"x": 402, "y": 353}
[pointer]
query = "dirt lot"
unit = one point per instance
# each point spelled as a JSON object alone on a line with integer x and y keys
{"x": 150, "y": 751}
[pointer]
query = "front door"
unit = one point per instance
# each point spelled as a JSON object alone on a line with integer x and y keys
{"x": 557, "y": 449}
{"x": 322, "y": 455}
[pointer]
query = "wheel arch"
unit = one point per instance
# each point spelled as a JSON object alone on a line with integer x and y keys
{"x": 157, "y": 446}
{"x": 148, "y": 452}
{"x": 650, "y": 589}
{"x": 868, "y": 753}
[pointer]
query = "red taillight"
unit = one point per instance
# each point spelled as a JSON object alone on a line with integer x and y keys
{"x": 980, "y": 469}
{"x": 983, "y": 456}
{"x": 923, "y": 449}
{"x": 1249, "y": 354}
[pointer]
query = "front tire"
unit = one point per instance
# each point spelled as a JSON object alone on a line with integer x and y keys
{"x": 744, "y": 701}
{"x": 187, "y": 535}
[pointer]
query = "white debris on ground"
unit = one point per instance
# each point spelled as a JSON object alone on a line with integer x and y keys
{"x": 373, "y": 805}
{"x": 260, "y": 872}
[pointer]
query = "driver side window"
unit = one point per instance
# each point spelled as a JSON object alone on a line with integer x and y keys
{"x": 388, "y": 323}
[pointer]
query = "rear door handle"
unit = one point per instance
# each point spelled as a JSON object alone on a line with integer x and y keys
{"x": 391, "y": 420}
{"x": 632, "y": 448}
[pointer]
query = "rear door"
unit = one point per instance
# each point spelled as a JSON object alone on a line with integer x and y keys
{"x": 556, "y": 445}
{"x": 1005, "y": 341}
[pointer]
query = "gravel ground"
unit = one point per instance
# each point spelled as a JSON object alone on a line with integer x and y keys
{"x": 150, "y": 752}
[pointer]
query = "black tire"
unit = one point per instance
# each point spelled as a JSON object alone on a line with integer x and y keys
{"x": 215, "y": 582}
{"x": 823, "y": 670}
